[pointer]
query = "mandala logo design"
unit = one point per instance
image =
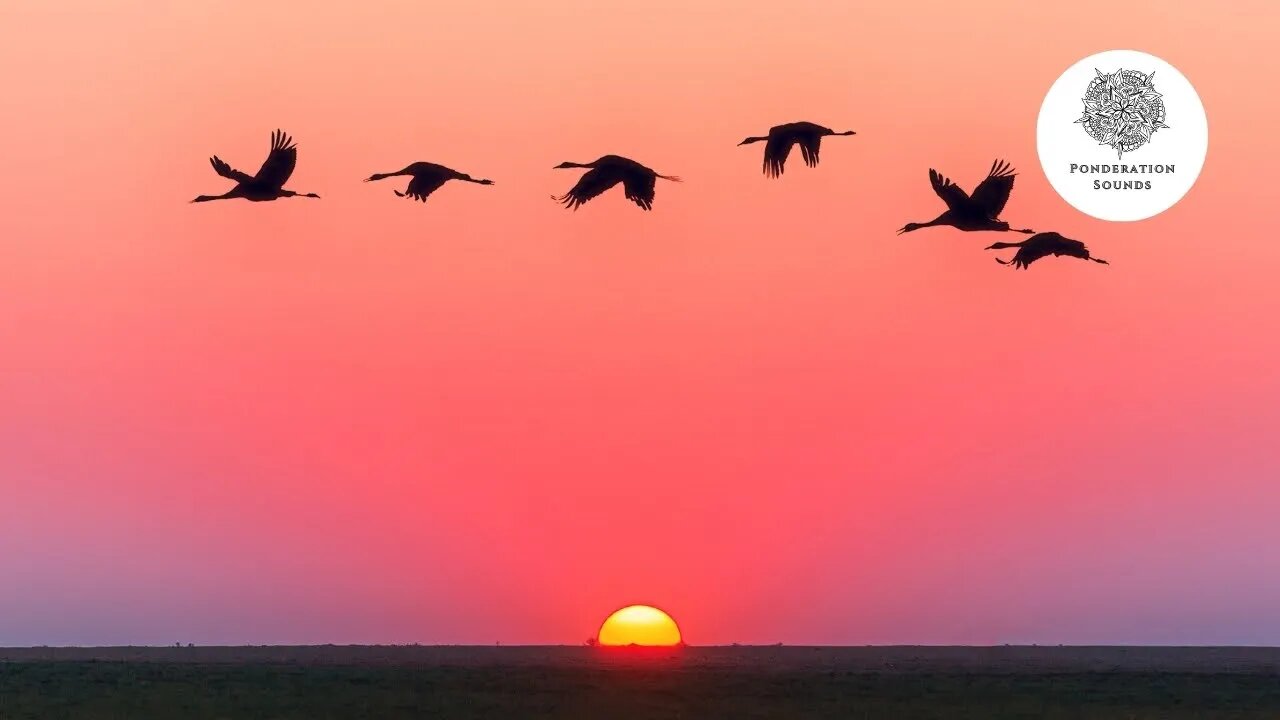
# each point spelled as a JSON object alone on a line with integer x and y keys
{"x": 1123, "y": 110}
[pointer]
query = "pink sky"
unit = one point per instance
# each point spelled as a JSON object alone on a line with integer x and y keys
{"x": 360, "y": 419}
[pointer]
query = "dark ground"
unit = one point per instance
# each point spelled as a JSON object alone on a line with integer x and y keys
{"x": 902, "y": 683}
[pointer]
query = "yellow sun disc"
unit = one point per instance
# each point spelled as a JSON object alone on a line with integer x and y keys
{"x": 639, "y": 625}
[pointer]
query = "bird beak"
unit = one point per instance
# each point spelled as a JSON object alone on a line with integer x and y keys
{"x": 902, "y": 229}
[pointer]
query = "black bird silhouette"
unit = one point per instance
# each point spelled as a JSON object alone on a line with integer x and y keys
{"x": 637, "y": 181}
{"x": 268, "y": 184}
{"x": 1043, "y": 245}
{"x": 780, "y": 139}
{"x": 427, "y": 178}
{"x": 981, "y": 211}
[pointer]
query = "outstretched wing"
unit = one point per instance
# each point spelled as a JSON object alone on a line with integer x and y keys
{"x": 640, "y": 188}
{"x": 423, "y": 185}
{"x": 776, "y": 150}
{"x": 955, "y": 198}
{"x": 992, "y": 194}
{"x": 278, "y": 166}
{"x": 809, "y": 145}
{"x": 228, "y": 172}
{"x": 590, "y": 185}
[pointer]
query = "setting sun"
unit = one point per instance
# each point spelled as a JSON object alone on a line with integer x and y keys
{"x": 639, "y": 625}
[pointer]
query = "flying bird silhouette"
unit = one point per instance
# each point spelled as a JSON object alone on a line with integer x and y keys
{"x": 780, "y": 139}
{"x": 981, "y": 211}
{"x": 427, "y": 178}
{"x": 268, "y": 183}
{"x": 1043, "y": 245}
{"x": 637, "y": 181}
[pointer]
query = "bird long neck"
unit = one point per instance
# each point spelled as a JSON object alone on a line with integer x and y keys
{"x": 753, "y": 140}
{"x": 943, "y": 219}
{"x": 1002, "y": 245}
{"x": 846, "y": 132}
{"x": 224, "y": 196}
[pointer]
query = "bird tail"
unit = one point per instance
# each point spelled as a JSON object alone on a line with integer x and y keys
{"x": 672, "y": 178}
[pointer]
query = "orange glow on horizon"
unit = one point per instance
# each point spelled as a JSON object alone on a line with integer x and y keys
{"x": 639, "y": 625}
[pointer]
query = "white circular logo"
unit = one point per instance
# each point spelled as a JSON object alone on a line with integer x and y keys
{"x": 1122, "y": 135}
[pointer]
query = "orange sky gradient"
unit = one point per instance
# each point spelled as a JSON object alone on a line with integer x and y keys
{"x": 362, "y": 419}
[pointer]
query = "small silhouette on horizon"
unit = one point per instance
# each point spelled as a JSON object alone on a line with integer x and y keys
{"x": 980, "y": 211}
{"x": 638, "y": 181}
{"x": 427, "y": 178}
{"x": 780, "y": 139}
{"x": 268, "y": 183}
{"x": 1043, "y": 245}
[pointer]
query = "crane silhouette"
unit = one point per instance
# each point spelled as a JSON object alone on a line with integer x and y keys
{"x": 427, "y": 178}
{"x": 268, "y": 183}
{"x": 1044, "y": 245}
{"x": 981, "y": 211}
{"x": 780, "y": 139}
{"x": 637, "y": 181}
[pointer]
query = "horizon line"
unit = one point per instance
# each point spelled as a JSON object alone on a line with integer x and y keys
{"x": 499, "y": 644}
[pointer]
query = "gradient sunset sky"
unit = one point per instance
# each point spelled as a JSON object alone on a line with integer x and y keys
{"x": 486, "y": 418}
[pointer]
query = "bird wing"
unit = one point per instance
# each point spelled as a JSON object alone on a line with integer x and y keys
{"x": 992, "y": 193}
{"x": 807, "y": 127}
{"x": 1028, "y": 254}
{"x": 278, "y": 166}
{"x": 809, "y": 144}
{"x": 955, "y": 197}
{"x": 590, "y": 185}
{"x": 1073, "y": 248}
{"x": 640, "y": 188}
{"x": 776, "y": 150}
{"x": 423, "y": 185}
{"x": 222, "y": 168}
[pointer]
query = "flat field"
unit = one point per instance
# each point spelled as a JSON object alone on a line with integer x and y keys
{"x": 393, "y": 682}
